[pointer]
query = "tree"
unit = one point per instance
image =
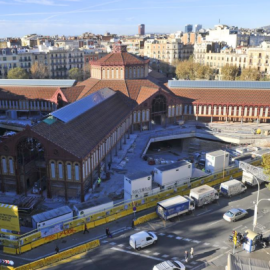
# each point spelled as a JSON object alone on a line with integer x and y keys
{"x": 75, "y": 74}
{"x": 39, "y": 71}
{"x": 250, "y": 74}
{"x": 266, "y": 167}
{"x": 17, "y": 73}
{"x": 229, "y": 73}
{"x": 189, "y": 70}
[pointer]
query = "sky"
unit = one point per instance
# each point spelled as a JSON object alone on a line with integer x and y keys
{"x": 74, "y": 17}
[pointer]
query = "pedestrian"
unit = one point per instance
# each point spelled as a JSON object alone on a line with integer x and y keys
{"x": 191, "y": 253}
{"x": 56, "y": 249}
{"x": 186, "y": 256}
{"x": 85, "y": 229}
{"x": 108, "y": 233}
{"x": 109, "y": 165}
{"x": 98, "y": 182}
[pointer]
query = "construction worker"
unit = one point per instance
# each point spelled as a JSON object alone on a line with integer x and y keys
{"x": 98, "y": 182}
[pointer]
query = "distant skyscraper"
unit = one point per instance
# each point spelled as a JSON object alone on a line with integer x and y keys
{"x": 141, "y": 29}
{"x": 188, "y": 28}
{"x": 197, "y": 27}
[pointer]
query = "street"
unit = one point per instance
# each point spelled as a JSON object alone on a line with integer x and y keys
{"x": 205, "y": 231}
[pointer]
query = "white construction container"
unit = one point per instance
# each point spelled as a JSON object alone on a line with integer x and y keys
{"x": 92, "y": 207}
{"x": 137, "y": 185}
{"x": 216, "y": 161}
{"x": 52, "y": 221}
{"x": 177, "y": 174}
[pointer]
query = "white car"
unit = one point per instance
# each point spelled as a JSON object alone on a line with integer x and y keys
{"x": 142, "y": 239}
{"x": 235, "y": 214}
{"x": 169, "y": 265}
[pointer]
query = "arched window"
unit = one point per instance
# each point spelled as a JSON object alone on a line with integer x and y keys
{"x": 4, "y": 164}
{"x": 77, "y": 174}
{"x": 52, "y": 169}
{"x": 159, "y": 104}
{"x": 142, "y": 72}
{"x": 69, "y": 175}
{"x": 103, "y": 73}
{"x": 116, "y": 75}
{"x": 130, "y": 73}
{"x": 11, "y": 167}
{"x": 134, "y": 72}
{"x": 112, "y": 73}
{"x": 108, "y": 73}
{"x": 122, "y": 74}
{"x": 60, "y": 170}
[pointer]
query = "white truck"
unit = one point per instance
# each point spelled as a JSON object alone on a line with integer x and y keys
{"x": 249, "y": 180}
{"x": 175, "y": 206}
{"x": 232, "y": 187}
{"x": 203, "y": 195}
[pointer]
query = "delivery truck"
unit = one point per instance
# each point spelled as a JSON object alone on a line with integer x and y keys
{"x": 175, "y": 206}
{"x": 203, "y": 195}
{"x": 232, "y": 187}
{"x": 249, "y": 180}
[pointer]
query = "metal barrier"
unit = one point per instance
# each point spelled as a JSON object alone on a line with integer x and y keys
{"x": 34, "y": 240}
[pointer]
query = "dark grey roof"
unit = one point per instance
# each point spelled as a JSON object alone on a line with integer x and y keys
{"x": 92, "y": 203}
{"x": 52, "y": 214}
{"x": 219, "y": 84}
{"x": 137, "y": 175}
{"x": 172, "y": 165}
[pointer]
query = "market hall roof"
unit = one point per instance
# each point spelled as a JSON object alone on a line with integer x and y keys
{"x": 212, "y": 92}
{"x": 83, "y": 132}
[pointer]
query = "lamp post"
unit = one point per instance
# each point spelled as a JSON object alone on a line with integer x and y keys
{"x": 255, "y": 212}
{"x": 258, "y": 183}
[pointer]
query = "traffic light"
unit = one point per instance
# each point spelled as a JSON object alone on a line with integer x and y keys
{"x": 7, "y": 262}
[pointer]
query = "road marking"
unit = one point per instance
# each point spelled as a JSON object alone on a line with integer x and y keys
{"x": 175, "y": 258}
{"x": 156, "y": 253}
{"x": 187, "y": 239}
{"x": 216, "y": 246}
{"x": 237, "y": 227}
{"x": 162, "y": 234}
{"x": 193, "y": 263}
{"x": 112, "y": 243}
{"x": 196, "y": 241}
{"x": 204, "y": 212}
{"x": 214, "y": 223}
{"x": 165, "y": 256}
{"x": 137, "y": 254}
{"x": 178, "y": 238}
{"x": 206, "y": 244}
{"x": 121, "y": 245}
{"x": 146, "y": 251}
{"x": 104, "y": 241}
{"x": 170, "y": 236}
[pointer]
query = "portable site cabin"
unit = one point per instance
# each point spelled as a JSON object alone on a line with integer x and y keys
{"x": 216, "y": 161}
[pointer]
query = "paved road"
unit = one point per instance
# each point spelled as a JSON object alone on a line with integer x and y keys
{"x": 205, "y": 231}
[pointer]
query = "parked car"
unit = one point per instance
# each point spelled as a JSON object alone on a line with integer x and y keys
{"x": 235, "y": 214}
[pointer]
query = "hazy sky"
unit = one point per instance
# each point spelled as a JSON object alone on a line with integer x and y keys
{"x": 73, "y": 17}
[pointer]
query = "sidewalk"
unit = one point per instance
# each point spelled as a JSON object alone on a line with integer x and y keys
{"x": 116, "y": 227}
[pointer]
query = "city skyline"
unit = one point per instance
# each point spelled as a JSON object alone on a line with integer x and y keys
{"x": 73, "y": 17}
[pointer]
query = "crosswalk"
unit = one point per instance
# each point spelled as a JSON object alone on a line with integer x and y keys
{"x": 125, "y": 247}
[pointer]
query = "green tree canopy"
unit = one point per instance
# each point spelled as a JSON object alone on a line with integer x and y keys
{"x": 17, "y": 73}
{"x": 75, "y": 74}
{"x": 266, "y": 167}
{"x": 250, "y": 74}
{"x": 229, "y": 73}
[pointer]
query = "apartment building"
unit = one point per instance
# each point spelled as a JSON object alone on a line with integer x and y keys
{"x": 166, "y": 50}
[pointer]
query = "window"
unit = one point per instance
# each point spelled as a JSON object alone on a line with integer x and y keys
{"x": 116, "y": 74}
{"x": 4, "y": 164}
{"x": 11, "y": 168}
{"x": 77, "y": 172}
{"x": 60, "y": 170}
{"x": 108, "y": 73}
{"x": 52, "y": 169}
{"x": 69, "y": 171}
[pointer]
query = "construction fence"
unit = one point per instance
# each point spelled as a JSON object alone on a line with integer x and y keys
{"x": 34, "y": 240}
{"x": 56, "y": 258}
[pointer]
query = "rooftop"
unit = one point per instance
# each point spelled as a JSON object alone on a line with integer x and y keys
{"x": 92, "y": 203}
{"x": 173, "y": 165}
{"x": 172, "y": 201}
{"x": 217, "y": 153}
{"x": 137, "y": 175}
{"x": 33, "y": 82}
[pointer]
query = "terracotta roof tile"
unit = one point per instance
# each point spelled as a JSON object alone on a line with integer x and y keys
{"x": 145, "y": 93}
{"x": 72, "y": 93}
{"x": 225, "y": 96}
{"x": 29, "y": 92}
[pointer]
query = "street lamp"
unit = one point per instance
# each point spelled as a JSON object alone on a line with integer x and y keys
{"x": 255, "y": 212}
{"x": 258, "y": 183}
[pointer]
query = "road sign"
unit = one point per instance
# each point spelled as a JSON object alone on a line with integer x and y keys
{"x": 7, "y": 262}
{"x": 134, "y": 209}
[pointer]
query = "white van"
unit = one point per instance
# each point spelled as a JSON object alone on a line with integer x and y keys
{"x": 232, "y": 187}
{"x": 169, "y": 265}
{"x": 142, "y": 239}
{"x": 249, "y": 180}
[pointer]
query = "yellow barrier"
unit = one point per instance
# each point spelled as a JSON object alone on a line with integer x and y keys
{"x": 70, "y": 231}
{"x": 31, "y": 238}
{"x": 100, "y": 222}
{"x": 52, "y": 259}
{"x": 90, "y": 225}
{"x": 92, "y": 244}
{"x": 25, "y": 248}
{"x": 9, "y": 250}
{"x": 98, "y": 216}
{"x": 5, "y": 267}
{"x": 37, "y": 243}
{"x": 110, "y": 218}
{"x": 37, "y": 264}
{"x": 50, "y": 238}
{"x": 74, "y": 223}
{"x": 23, "y": 267}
